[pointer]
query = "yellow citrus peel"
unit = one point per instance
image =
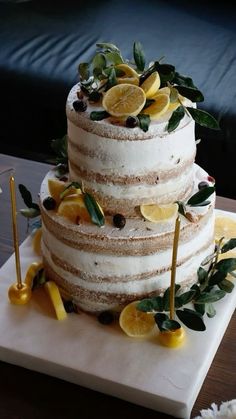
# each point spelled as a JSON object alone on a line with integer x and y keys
{"x": 124, "y": 100}
{"x": 52, "y": 290}
{"x": 159, "y": 213}
{"x": 136, "y": 323}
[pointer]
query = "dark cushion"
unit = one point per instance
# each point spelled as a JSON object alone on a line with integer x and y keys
{"x": 43, "y": 42}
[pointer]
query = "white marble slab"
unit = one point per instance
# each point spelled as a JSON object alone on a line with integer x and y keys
{"x": 82, "y": 351}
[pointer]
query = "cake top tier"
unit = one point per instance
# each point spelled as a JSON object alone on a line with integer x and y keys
{"x": 134, "y": 94}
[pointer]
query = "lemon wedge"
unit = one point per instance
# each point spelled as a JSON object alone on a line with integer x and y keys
{"x": 136, "y": 323}
{"x": 172, "y": 338}
{"x": 56, "y": 187}
{"x": 151, "y": 85}
{"x": 37, "y": 241}
{"x": 31, "y": 272}
{"x": 225, "y": 227}
{"x": 124, "y": 100}
{"x": 159, "y": 107}
{"x": 74, "y": 208}
{"x": 130, "y": 75}
{"x": 52, "y": 290}
{"x": 159, "y": 213}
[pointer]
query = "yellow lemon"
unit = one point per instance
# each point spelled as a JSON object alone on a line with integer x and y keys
{"x": 159, "y": 107}
{"x": 130, "y": 75}
{"x": 37, "y": 241}
{"x": 151, "y": 85}
{"x": 136, "y": 323}
{"x": 172, "y": 338}
{"x": 124, "y": 100}
{"x": 52, "y": 290}
{"x": 31, "y": 272}
{"x": 56, "y": 187}
{"x": 159, "y": 213}
{"x": 74, "y": 208}
{"x": 225, "y": 227}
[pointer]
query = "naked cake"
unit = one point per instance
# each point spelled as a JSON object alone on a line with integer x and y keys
{"x": 107, "y": 237}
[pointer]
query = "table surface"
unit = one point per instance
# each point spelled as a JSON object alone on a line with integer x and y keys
{"x": 25, "y": 394}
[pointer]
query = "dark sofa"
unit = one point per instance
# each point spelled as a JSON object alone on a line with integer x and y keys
{"x": 42, "y": 42}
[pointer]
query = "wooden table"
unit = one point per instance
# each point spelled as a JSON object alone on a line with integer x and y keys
{"x": 26, "y": 394}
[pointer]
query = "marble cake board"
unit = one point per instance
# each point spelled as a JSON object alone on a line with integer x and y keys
{"x": 80, "y": 350}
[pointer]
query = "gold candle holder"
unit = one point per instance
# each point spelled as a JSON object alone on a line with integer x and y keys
{"x": 173, "y": 268}
{"x": 18, "y": 293}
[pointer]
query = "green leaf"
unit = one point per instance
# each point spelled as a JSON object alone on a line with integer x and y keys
{"x": 94, "y": 210}
{"x": 144, "y": 122}
{"x": 27, "y": 198}
{"x": 202, "y": 275}
{"x": 164, "y": 323}
{"x": 203, "y": 118}
{"x": 185, "y": 298}
{"x": 183, "y": 80}
{"x": 217, "y": 277}
{"x": 231, "y": 244}
{"x": 95, "y": 96}
{"x": 139, "y": 57}
{"x": 200, "y": 308}
{"x": 210, "y": 297}
{"x": 193, "y": 94}
{"x": 166, "y": 72}
{"x": 166, "y": 297}
{"x": 175, "y": 119}
{"x": 30, "y": 212}
{"x": 226, "y": 265}
{"x": 182, "y": 208}
{"x": 201, "y": 196}
{"x": 99, "y": 61}
{"x": 226, "y": 285}
{"x": 114, "y": 58}
{"x": 98, "y": 115}
{"x": 151, "y": 304}
{"x": 76, "y": 185}
{"x": 210, "y": 310}
{"x": 111, "y": 79}
{"x": 192, "y": 319}
{"x": 84, "y": 71}
{"x": 108, "y": 46}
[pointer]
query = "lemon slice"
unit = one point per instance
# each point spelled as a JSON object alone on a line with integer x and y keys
{"x": 172, "y": 338}
{"x": 151, "y": 84}
{"x": 53, "y": 292}
{"x": 159, "y": 107}
{"x": 56, "y": 187}
{"x": 136, "y": 323}
{"x": 124, "y": 100}
{"x": 130, "y": 76}
{"x": 74, "y": 208}
{"x": 159, "y": 213}
{"x": 225, "y": 227}
{"x": 37, "y": 241}
{"x": 31, "y": 272}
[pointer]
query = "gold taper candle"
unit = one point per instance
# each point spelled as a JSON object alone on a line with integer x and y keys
{"x": 173, "y": 268}
{"x": 15, "y": 231}
{"x": 19, "y": 293}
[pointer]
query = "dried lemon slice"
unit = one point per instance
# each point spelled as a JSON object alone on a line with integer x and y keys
{"x": 151, "y": 84}
{"x": 124, "y": 100}
{"x": 53, "y": 292}
{"x": 130, "y": 75}
{"x": 136, "y": 323}
{"x": 74, "y": 208}
{"x": 159, "y": 213}
{"x": 159, "y": 107}
{"x": 225, "y": 227}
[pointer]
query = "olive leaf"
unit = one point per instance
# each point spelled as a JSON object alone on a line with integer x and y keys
{"x": 193, "y": 94}
{"x": 166, "y": 72}
{"x": 210, "y": 310}
{"x": 192, "y": 319}
{"x": 139, "y": 57}
{"x": 114, "y": 58}
{"x": 144, "y": 121}
{"x": 184, "y": 298}
{"x": 75, "y": 185}
{"x": 98, "y": 115}
{"x": 183, "y": 80}
{"x": 226, "y": 285}
{"x": 108, "y": 46}
{"x": 210, "y": 297}
{"x": 30, "y": 212}
{"x": 203, "y": 118}
{"x": 226, "y": 265}
{"x": 175, "y": 118}
{"x": 200, "y": 197}
{"x": 164, "y": 323}
{"x": 231, "y": 244}
{"x": 151, "y": 304}
{"x": 99, "y": 61}
{"x": 112, "y": 81}
{"x": 94, "y": 210}
{"x": 202, "y": 275}
{"x": 84, "y": 71}
{"x": 217, "y": 277}
{"x": 27, "y": 198}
